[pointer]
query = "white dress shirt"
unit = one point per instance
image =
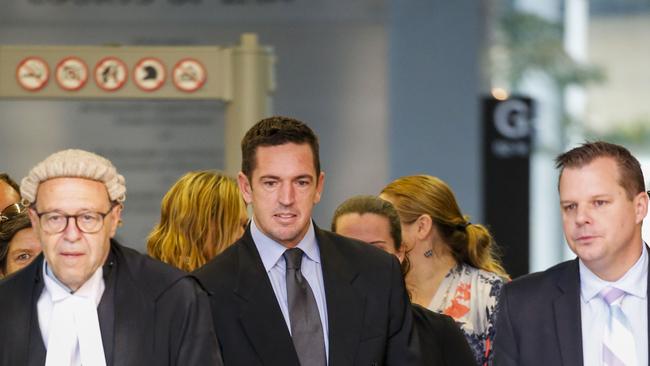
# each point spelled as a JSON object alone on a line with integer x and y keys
{"x": 594, "y": 310}
{"x": 69, "y": 322}
{"x": 271, "y": 253}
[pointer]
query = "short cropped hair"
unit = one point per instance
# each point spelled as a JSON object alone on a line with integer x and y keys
{"x": 275, "y": 131}
{"x": 374, "y": 205}
{"x": 630, "y": 175}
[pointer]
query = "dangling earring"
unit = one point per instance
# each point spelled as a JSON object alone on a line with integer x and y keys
{"x": 428, "y": 253}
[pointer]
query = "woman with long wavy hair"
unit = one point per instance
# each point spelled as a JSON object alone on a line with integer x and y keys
{"x": 201, "y": 215}
{"x": 454, "y": 266}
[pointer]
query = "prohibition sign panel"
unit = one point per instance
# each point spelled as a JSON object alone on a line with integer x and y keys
{"x": 37, "y": 83}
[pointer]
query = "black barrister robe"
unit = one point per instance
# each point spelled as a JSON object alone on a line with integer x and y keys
{"x": 150, "y": 314}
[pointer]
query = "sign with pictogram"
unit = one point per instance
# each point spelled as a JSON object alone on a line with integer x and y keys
{"x": 111, "y": 73}
{"x": 71, "y": 73}
{"x": 149, "y": 74}
{"x": 189, "y": 75}
{"x": 32, "y": 73}
{"x": 507, "y": 146}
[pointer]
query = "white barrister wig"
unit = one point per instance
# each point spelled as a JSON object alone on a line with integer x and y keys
{"x": 74, "y": 163}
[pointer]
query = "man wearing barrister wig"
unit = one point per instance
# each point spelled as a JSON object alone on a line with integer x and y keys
{"x": 87, "y": 300}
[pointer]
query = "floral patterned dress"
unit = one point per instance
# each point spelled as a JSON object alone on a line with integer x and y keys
{"x": 469, "y": 295}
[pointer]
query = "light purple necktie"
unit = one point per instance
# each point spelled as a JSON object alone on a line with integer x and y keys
{"x": 618, "y": 340}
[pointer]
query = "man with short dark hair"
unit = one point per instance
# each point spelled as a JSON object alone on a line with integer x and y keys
{"x": 592, "y": 310}
{"x": 87, "y": 300}
{"x": 288, "y": 293}
{"x": 9, "y": 191}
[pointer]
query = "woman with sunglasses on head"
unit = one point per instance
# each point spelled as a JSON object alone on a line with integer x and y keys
{"x": 19, "y": 245}
{"x": 454, "y": 268}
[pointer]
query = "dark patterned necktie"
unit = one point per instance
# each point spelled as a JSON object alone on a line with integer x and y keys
{"x": 306, "y": 328}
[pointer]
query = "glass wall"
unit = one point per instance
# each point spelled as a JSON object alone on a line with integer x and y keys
{"x": 585, "y": 64}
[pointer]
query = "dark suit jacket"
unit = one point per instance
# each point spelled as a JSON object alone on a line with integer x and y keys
{"x": 539, "y": 320}
{"x": 441, "y": 340}
{"x": 150, "y": 314}
{"x": 369, "y": 317}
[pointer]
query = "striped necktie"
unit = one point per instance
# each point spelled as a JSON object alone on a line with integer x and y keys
{"x": 618, "y": 341}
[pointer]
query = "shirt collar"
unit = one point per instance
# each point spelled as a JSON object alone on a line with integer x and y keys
{"x": 47, "y": 270}
{"x": 633, "y": 282}
{"x": 92, "y": 289}
{"x": 271, "y": 251}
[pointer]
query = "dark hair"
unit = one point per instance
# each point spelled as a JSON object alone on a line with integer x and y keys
{"x": 8, "y": 229}
{"x": 7, "y": 179}
{"x": 630, "y": 176}
{"x": 374, "y": 205}
{"x": 275, "y": 131}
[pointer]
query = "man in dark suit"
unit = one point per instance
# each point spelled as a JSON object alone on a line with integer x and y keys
{"x": 352, "y": 307}
{"x": 592, "y": 310}
{"x": 86, "y": 299}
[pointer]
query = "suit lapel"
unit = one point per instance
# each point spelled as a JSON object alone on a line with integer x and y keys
{"x": 568, "y": 321}
{"x": 261, "y": 316}
{"x": 345, "y": 305}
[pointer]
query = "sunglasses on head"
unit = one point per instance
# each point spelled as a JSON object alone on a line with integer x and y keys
{"x": 11, "y": 211}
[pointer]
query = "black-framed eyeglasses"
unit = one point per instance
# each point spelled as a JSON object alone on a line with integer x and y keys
{"x": 11, "y": 211}
{"x": 89, "y": 222}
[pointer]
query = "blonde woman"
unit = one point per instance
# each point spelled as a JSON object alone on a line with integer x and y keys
{"x": 200, "y": 216}
{"x": 454, "y": 269}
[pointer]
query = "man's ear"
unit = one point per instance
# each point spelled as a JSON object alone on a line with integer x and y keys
{"x": 36, "y": 222}
{"x": 401, "y": 253}
{"x": 116, "y": 215}
{"x": 245, "y": 187}
{"x": 33, "y": 217}
{"x": 320, "y": 183}
{"x": 641, "y": 206}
